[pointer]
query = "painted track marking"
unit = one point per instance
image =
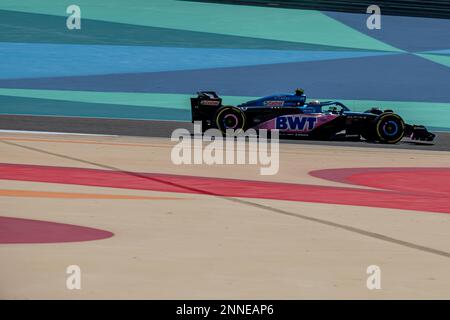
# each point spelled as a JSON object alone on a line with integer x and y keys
{"x": 344, "y": 227}
{"x": 72, "y": 195}
{"x": 18, "y": 230}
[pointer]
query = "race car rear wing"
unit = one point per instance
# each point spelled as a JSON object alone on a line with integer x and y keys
{"x": 205, "y": 105}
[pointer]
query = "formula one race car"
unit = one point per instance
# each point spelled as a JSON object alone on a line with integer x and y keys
{"x": 293, "y": 116}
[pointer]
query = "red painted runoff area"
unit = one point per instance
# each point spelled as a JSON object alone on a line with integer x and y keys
{"x": 421, "y": 189}
{"x": 15, "y": 230}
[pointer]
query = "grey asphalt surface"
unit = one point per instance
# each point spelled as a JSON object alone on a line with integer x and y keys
{"x": 153, "y": 128}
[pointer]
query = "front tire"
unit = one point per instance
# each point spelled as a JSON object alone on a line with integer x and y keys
{"x": 389, "y": 128}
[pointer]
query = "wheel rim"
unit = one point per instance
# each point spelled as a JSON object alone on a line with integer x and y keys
{"x": 230, "y": 121}
{"x": 390, "y": 128}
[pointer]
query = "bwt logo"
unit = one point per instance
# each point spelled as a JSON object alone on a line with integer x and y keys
{"x": 296, "y": 123}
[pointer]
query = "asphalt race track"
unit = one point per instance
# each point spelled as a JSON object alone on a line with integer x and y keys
{"x": 164, "y": 129}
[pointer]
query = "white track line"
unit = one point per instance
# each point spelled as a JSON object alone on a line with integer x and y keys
{"x": 57, "y": 133}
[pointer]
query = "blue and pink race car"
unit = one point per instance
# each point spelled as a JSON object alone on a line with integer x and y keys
{"x": 294, "y": 117}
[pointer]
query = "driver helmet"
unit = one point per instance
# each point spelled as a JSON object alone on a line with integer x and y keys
{"x": 299, "y": 91}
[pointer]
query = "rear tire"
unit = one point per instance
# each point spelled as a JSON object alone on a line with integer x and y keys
{"x": 229, "y": 117}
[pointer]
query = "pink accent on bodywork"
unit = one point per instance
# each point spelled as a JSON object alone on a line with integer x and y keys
{"x": 321, "y": 120}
